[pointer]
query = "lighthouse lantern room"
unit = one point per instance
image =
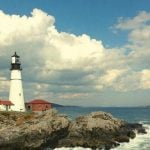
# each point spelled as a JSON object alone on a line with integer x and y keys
{"x": 16, "y": 91}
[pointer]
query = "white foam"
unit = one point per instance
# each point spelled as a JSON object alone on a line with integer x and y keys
{"x": 141, "y": 142}
{"x": 71, "y": 148}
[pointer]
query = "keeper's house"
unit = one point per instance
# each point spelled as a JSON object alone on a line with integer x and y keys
{"x": 5, "y": 105}
{"x": 38, "y": 105}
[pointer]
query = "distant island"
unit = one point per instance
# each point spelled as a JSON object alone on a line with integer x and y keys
{"x": 56, "y": 105}
{"x": 59, "y": 105}
{"x": 148, "y": 106}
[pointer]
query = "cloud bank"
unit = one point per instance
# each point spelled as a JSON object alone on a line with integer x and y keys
{"x": 61, "y": 65}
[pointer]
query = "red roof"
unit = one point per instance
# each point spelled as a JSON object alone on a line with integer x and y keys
{"x": 6, "y": 102}
{"x": 38, "y": 101}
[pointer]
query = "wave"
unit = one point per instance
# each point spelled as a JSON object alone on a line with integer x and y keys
{"x": 71, "y": 148}
{"x": 141, "y": 142}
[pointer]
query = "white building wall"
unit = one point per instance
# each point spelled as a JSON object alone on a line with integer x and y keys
{"x": 3, "y": 108}
{"x": 16, "y": 91}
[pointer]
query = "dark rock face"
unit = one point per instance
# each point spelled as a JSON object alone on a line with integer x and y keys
{"x": 19, "y": 131}
{"x": 136, "y": 126}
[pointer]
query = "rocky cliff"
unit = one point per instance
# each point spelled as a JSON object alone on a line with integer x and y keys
{"x": 50, "y": 129}
{"x": 19, "y": 131}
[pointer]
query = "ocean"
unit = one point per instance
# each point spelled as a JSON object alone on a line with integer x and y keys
{"x": 130, "y": 114}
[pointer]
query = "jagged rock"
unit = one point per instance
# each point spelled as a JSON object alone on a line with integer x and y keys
{"x": 98, "y": 130}
{"x": 19, "y": 131}
{"x": 136, "y": 126}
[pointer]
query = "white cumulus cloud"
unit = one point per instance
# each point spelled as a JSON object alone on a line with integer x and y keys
{"x": 61, "y": 65}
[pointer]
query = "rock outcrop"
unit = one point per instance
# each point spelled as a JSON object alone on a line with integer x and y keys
{"x": 19, "y": 131}
{"x": 99, "y": 130}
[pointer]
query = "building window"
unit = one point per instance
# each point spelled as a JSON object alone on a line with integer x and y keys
{"x": 29, "y": 107}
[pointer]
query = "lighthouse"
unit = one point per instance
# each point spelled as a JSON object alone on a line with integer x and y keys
{"x": 16, "y": 91}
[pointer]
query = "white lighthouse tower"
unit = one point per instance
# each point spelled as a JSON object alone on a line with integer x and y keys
{"x": 16, "y": 91}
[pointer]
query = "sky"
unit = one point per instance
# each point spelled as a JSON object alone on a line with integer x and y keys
{"x": 78, "y": 52}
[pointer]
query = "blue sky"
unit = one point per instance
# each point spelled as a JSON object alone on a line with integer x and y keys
{"x": 94, "y": 18}
{"x": 81, "y": 50}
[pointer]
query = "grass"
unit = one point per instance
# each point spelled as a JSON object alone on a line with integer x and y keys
{"x": 18, "y": 117}
{"x": 26, "y": 117}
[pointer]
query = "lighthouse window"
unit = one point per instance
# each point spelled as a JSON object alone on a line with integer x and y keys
{"x": 17, "y": 60}
{"x": 19, "y": 94}
{"x": 13, "y": 59}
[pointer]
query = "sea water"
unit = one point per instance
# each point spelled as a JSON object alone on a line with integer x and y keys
{"x": 130, "y": 114}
